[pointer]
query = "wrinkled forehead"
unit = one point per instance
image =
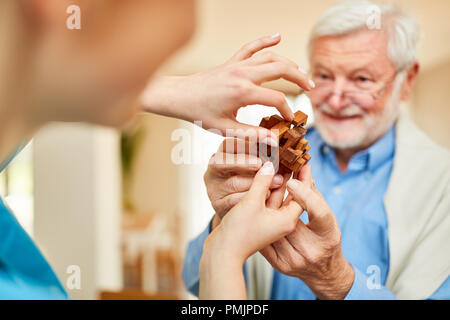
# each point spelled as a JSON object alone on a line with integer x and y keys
{"x": 364, "y": 49}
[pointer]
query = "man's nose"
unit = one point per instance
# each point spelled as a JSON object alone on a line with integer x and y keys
{"x": 336, "y": 100}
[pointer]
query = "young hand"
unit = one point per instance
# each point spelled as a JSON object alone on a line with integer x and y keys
{"x": 215, "y": 96}
{"x": 246, "y": 228}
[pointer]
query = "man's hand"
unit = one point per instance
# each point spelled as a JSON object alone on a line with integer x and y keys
{"x": 215, "y": 96}
{"x": 229, "y": 176}
{"x": 312, "y": 252}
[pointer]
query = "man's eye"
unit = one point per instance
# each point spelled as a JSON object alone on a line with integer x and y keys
{"x": 363, "y": 79}
{"x": 324, "y": 77}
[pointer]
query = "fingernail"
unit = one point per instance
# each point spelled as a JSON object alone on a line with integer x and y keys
{"x": 258, "y": 162}
{"x": 312, "y": 84}
{"x": 278, "y": 179}
{"x": 302, "y": 70}
{"x": 270, "y": 141}
{"x": 275, "y": 35}
{"x": 267, "y": 168}
{"x": 293, "y": 184}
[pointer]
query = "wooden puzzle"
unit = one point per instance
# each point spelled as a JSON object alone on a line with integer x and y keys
{"x": 293, "y": 147}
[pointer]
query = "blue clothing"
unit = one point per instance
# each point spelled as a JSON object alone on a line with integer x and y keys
{"x": 24, "y": 272}
{"x": 356, "y": 198}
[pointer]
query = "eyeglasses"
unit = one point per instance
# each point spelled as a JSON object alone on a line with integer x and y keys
{"x": 364, "y": 98}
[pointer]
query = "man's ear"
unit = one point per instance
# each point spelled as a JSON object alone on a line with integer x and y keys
{"x": 410, "y": 80}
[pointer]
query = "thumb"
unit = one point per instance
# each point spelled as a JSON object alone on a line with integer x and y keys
{"x": 261, "y": 183}
{"x": 320, "y": 216}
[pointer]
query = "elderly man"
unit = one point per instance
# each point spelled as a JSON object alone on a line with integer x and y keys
{"x": 385, "y": 185}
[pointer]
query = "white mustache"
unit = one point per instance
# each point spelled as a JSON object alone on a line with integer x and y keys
{"x": 350, "y": 111}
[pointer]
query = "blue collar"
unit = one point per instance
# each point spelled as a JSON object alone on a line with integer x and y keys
{"x": 365, "y": 160}
{"x": 4, "y": 164}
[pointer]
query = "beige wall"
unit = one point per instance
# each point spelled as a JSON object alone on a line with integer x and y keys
{"x": 431, "y": 103}
{"x": 77, "y": 207}
{"x": 155, "y": 179}
{"x": 223, "y": 26}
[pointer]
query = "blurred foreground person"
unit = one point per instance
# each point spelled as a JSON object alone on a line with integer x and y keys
{"x": 99, "y": 74}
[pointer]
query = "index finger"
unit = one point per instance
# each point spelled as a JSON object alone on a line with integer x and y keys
{"x": 239, "y": 146}
{"x": 276, "y": 70}
{"x": 251, "y": 48}
{"x": 227, "y": 163}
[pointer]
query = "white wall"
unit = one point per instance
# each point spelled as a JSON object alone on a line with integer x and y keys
{"x": 78, "y": 204}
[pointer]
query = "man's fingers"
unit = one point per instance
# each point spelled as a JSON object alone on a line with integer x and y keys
{"x": 261, "y": 183}
{"x": 288, "y": 199}
{"x": 276, "y": 70}
{"x": 304, "y": 175}
{"x": 248, "y": 134}
{"x": 238, "y": 146}
{"x": 237, "y": 183}
{"x": 246, "y": 144}
{"x": 276, "y": 198}
{"x": 270, "y": 254}
{"x": 301, "y": 238}
{"x": 229, "y": 163}
{"x": 284, "y": 249}
{"x": 320, "y": 215}
{"x": 251, "y": 48}
{"x": 225, "y": 204}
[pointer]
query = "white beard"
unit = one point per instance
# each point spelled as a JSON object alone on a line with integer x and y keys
{"x": 373, "y": 126}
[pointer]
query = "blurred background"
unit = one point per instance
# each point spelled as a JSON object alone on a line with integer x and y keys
{"x": 116, "y": 205}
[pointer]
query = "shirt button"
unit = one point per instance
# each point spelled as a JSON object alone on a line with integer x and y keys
{"x": 325, "y": 149}
{"x": 337, "y": 190}
{"x": 367, "y": 174}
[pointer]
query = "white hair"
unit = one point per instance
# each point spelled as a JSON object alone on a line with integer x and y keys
{"x": 348, "y": 16}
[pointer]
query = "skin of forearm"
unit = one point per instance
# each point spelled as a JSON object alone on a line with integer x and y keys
{"x": 221, "y": 273}
{"x": 331, "y": 285}
{"x": 165, "y": 95}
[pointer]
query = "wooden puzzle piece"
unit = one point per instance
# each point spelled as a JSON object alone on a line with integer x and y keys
{"x": 269, "y": 122}
{"x": 300, "y": 119}
{"x": 282, "y": 128}
{"x": 293, "y": 146}
{"x": 302, "y": 144}
{"x": 291, "y": 155}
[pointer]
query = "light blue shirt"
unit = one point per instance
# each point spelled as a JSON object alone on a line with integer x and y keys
{"x": 24, "y": 272}
{"x": 356, "y": 198}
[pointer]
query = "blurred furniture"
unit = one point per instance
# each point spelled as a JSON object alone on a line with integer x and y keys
{"x": 151, "y": 256}
{"x": 134, "y": 294}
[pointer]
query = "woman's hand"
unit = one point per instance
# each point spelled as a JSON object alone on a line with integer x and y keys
{"x": 230, "y": 175}
{"x": 246, "y": 228}
{"x": 312, "y": 252}
{"x": 251, "y": 225}
{"x": 215, "y": 96}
